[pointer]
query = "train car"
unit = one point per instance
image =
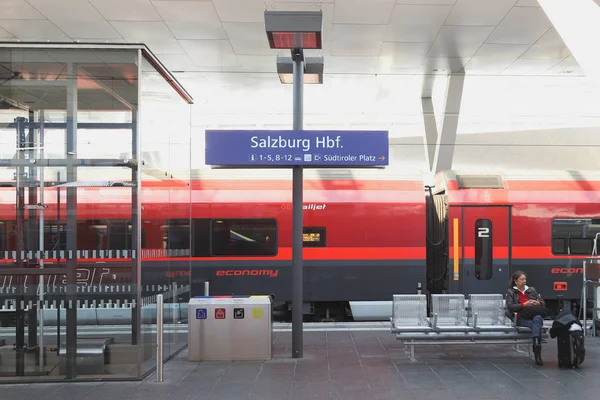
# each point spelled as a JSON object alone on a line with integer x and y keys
{"x": 543, "y": 223}
{"x": 364, "y": 237}
{"x": 367, "y": 235}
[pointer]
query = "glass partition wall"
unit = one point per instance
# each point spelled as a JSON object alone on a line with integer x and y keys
{"x": 91, "y": 195}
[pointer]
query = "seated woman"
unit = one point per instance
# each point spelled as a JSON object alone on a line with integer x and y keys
{"x": 520, "y": 296}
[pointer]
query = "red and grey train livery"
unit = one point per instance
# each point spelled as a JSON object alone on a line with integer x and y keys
{"x": 368, "y": 234}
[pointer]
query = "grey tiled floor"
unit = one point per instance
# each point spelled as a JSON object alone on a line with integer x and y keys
{"x": 352, "y": 365}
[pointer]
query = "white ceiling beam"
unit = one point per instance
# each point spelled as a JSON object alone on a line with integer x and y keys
{"x": 431, "y": 131}
{"x": 446, "y": 139}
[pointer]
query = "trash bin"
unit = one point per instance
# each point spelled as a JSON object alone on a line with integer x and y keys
{"x": 229, "y": 328}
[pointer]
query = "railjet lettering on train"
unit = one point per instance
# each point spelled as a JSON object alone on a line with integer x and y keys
{"x": 281, "y": 142}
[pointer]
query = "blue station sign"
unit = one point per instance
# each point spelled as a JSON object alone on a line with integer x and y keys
{"x": 289, "y": 148}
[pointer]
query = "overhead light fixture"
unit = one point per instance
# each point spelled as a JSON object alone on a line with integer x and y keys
{"x": 294, "y": 29}
{"x": 313, "y": 70}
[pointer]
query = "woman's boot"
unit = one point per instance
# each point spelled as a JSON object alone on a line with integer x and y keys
{"x": 537, "y": 351}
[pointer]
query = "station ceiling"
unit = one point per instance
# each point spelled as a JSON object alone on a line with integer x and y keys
{"x": 381, "y": 58}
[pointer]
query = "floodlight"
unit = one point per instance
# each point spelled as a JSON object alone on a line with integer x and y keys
{"x": 313, "y": 70}
{"x": 294, "y": 29}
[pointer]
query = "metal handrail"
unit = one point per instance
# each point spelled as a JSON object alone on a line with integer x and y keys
{"x": 595, "y": 307}
{"x": 159, "y": 338}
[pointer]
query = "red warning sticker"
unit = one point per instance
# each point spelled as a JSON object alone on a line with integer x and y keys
{"x": 560, "y": 286}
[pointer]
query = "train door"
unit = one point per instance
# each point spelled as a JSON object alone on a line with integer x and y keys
{"x": 484, "y": 236}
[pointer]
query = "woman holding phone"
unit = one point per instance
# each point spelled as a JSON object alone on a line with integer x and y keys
{"x": 530, "y": 309}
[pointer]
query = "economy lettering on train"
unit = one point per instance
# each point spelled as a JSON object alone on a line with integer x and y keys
{"x": 567, "y": 270}
{"x": 272, "y": 273}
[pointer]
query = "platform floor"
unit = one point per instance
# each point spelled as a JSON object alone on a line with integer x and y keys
{"x": 349, "y": 365}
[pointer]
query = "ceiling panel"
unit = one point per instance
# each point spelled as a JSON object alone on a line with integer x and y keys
{"x": 357, "y": 40}
{"x": 487, "y": 65}
{"x": 240, "y": 10}
{"x": 428, "y": 2}
{"x": 528, "y": 3}
{"x": 66, "y": 9}
{"x": 550, "y": 46}
{"x": 213, "y": 53}
{"x": 351, "y": 64}
{"x": 459, "y": 41}
{"x": 413, "y": 23}
{"x": 33, "y": 30}
{"x": 354, "y": 48}
{"x": 443, "y": 65}
{"x": 248, "y": 38}
{"x": 76, "y": 18}
{"x": 18, "y": 9}
{"x": 5, "y": 34}
{"x": 568, "y": 66}
{"x": 363, "y": 11}
{"x": 403, "y": 55}
{"x": 93, "y": 30}
{"x": 257, "y": 64}
{"x": 529, "y": 66}
{"x": 186, "y": 11}
{"x": 501, "y": 51}
{"x": 191, "y": 19}
{"x": 156, "y": 35}
{"x": 178, "y": 62}
{"x": 522, "y": 25}
{"x": 129, "y": 10}
{"x": 357, "y": 33}
{"x": 494, "y": 58}
{"x": 478, "y": 12}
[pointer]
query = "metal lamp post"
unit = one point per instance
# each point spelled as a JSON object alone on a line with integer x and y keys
{"x": 295, "y": 31}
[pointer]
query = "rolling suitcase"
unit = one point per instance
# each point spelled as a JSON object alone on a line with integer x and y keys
{"x": 571, "y": 350}
{"x": 569, "y": 334}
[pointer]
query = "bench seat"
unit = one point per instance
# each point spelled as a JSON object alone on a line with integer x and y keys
{"x": 454, "y": 321}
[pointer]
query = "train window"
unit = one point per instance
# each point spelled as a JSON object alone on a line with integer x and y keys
{"x": 314, "y": 237}
{"x": 5, "y": 229}
{"x": 483, "y": 249}
{"x": 577, "y": 236}
{"x": 559, "y": 246}
{"x": 201, "y": 237}
{"x": 243, "y": 237}
{"x": 177, "y": 237}
{"x": 103, "y": 234}
{"x": 55, "y": 237}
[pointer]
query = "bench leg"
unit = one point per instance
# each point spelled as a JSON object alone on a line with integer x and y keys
{"x": 412, "y": 353}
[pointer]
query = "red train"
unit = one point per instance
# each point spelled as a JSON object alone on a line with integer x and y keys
{"x": 368, "y": 234}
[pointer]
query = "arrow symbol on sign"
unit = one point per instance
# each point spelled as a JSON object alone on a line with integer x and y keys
{"x": 382, "y": 158}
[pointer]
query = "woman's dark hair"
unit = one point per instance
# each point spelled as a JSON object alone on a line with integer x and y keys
{"x": 514, "y": 277}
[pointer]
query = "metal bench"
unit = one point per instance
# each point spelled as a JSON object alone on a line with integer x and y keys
{"x": 452, "y": 321}
{"x": 91, "y": 355}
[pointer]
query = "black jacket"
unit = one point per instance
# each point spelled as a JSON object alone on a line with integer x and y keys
{"x": 562, "y": 323}
{"x": 512, "y": 300}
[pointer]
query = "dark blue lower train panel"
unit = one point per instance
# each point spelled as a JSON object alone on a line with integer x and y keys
{"x": 550, "y": 277}
{"x": 326, "y": 281}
